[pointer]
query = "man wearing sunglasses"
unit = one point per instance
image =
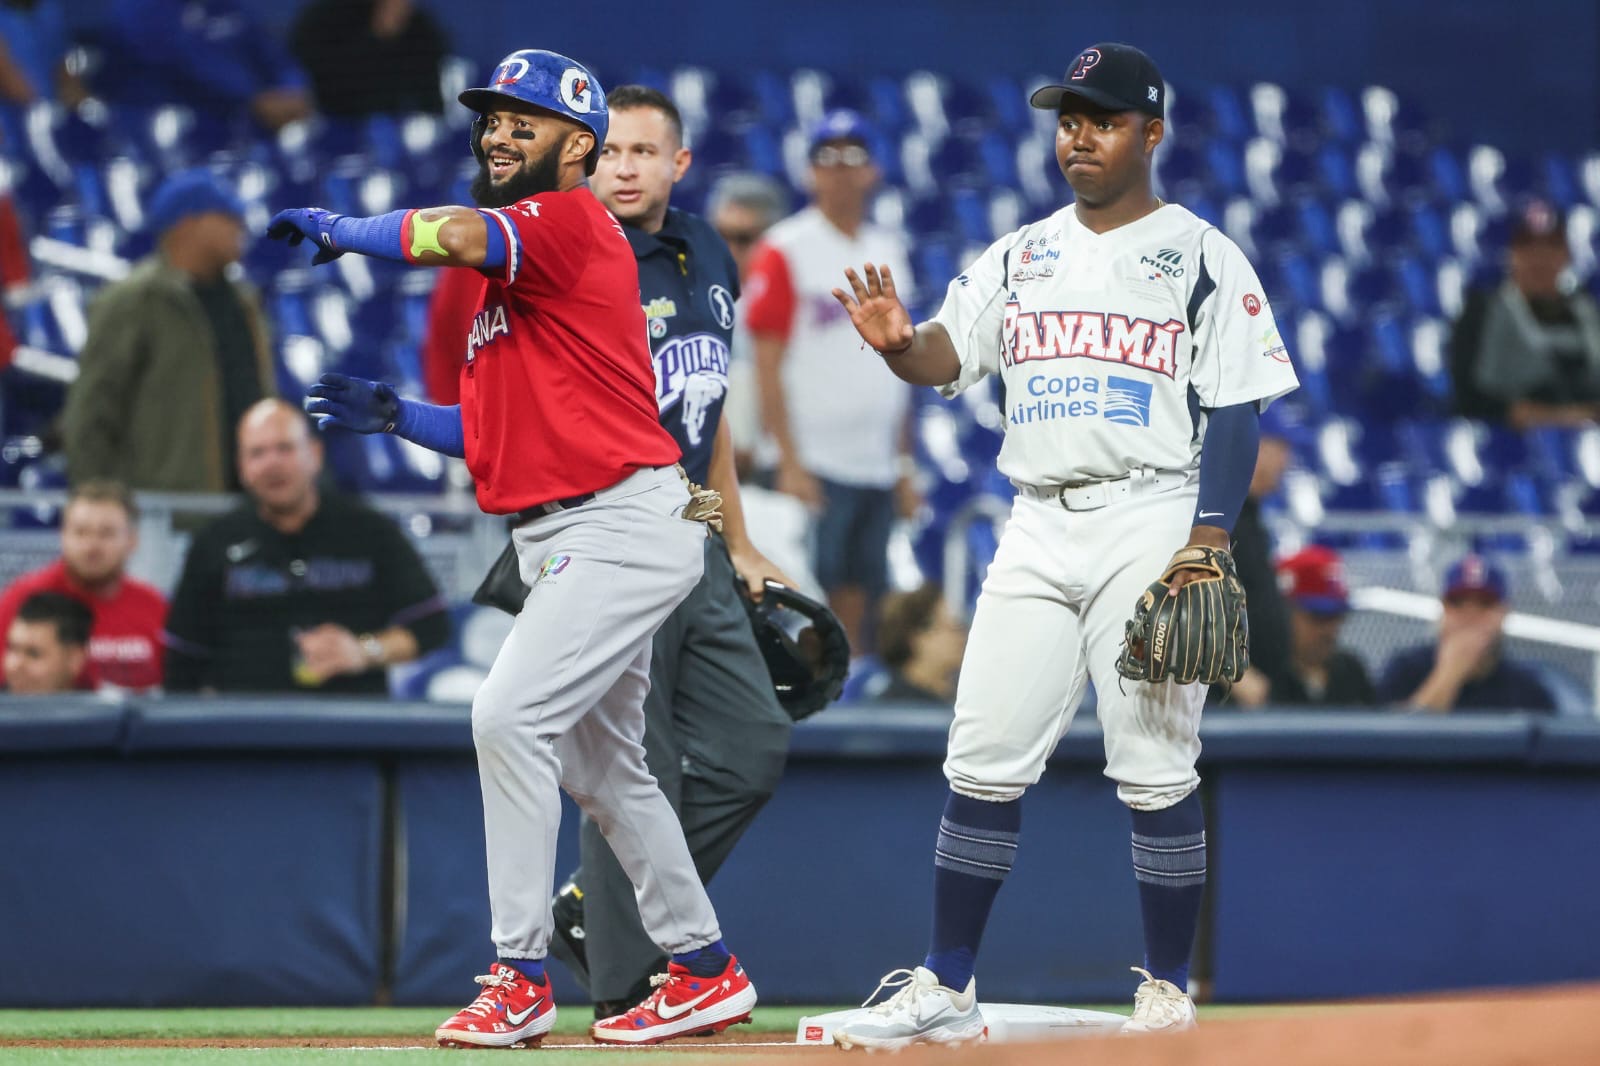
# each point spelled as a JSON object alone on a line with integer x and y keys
{"x": 837, "y": 420}
{"x": 1467, "y": 670}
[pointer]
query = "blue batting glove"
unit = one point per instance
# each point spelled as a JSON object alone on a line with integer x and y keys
{"x": 355, "y": 404}
{"x": 303, "y": 223}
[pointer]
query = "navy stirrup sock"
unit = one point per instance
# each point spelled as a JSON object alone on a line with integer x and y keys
{"x": 977, "y": 845}
{"x": 532, "y": 969}
{"x": 1169, "y": 862}
{"x": 704, "y": 962}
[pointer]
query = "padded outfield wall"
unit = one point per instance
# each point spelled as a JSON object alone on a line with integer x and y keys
{"x": 265, "y": 852}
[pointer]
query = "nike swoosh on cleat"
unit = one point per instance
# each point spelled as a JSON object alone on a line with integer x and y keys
{"x": 667, "y": 1011}
{"x": 1210, "y": 514}
{"x": 518, "y": 1017}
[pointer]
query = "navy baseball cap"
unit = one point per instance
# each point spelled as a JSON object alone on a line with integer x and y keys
{"x": 190, "y": 192}
{"x": 839, "y": 125}
{"x": 1117, "y": 77}
{"x": 1475, "y": 576}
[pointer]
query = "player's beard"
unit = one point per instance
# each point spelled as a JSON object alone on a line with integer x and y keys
{"x": 531, "y": 179}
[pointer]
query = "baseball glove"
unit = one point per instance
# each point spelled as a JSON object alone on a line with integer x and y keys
{"x": 1198, "y": 635}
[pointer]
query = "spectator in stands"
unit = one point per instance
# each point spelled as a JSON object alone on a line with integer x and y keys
{"x": 34, "y": 47}
{"x": 46, "y": 645}
{"x": 176, "y": 353}
{"x": 743, "y": 207}
{"x": 1467, "y": 670}
{"x": 1318, "y": 671}
{"x": 213, "y": 56}
{"x": 295, "y": 591}
{"x": 1528, "y": 353}
{"x": 98, "y": 535}
{"x": 921, "y": 643}
{"x": 1252, "y": 555}
{"x": 840, "y": 422}
{"x": 369, "y": 57}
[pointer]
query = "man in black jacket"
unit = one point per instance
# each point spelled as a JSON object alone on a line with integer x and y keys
{"x": 715, "y": 736}
{"x": 294, "y": 591}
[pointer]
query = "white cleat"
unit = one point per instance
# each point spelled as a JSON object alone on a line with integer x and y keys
{"x": 1159, "y": 1007}
{"x": 922, "y": 1012}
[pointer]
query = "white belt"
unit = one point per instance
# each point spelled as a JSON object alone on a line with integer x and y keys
{"x": 1091, "y": 495}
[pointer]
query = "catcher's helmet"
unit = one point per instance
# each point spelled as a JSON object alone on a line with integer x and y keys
{"x": 548, "y": 81}
{"x": 805, "y": 646}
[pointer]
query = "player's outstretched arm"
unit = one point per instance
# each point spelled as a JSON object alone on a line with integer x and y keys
{"x": 430, "y": 236}
{"x": 363, "y": 406}
{"x": 922, "y": 355}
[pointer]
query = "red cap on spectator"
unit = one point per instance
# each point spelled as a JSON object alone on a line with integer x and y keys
{"x": 1313, "y": 579}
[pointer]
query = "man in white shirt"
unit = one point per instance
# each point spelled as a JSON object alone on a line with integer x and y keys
{"x": 838, "y": 421}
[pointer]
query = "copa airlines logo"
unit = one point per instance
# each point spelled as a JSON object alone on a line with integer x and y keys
{"x": 1136, "y": 342}
{"x": 1051, "y": 398}
{"x": 692, "y": 371}
{"x": 577, "y": 90}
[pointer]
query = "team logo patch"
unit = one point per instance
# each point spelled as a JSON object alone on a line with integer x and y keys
{"x": 722, "y": 305}
{"x": 1127, "y": 401}
{"x": 577, "y": 92}
{"x": 658, "y": 328}
{"x": 1168, "y": 260}
{"x": 1085, "y": 63}
{"x": 692, "y": 372}
{"x": 1252, "y": 304}
{"x": 511, "y": 71}
{"x": 553, "y": 566}
{"x": 1272, "y": 345}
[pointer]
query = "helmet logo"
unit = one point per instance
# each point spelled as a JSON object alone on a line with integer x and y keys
{"x": 511, "y": 71}
{"x": 576, "y": 90}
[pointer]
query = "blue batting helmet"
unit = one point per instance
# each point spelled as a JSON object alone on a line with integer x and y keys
{"x": 550, "y": 82}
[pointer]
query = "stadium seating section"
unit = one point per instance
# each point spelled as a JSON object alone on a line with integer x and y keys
{"x": 1365, "y": 225}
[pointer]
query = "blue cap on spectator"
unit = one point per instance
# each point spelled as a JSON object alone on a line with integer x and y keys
{"x": 1475, "y": 576}
{"x": 840, "y": 125}
{"x": 190, "y": 192}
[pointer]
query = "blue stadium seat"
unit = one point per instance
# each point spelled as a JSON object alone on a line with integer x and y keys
{"x": 1418, "y": 284}
{"x": 1230, "y": 119}
{"x": 888, "y": 105}
{"x": 1448, "y": 175}
{"x": 1336, "y": 170}
{"x": 1559, "y": 182}
{"x": 1341, "y": 117}
{"x": 1224, "y": 164}
{"x": 868, "y": 677}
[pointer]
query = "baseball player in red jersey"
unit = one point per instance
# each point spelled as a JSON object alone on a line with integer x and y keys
{"x": 558, "y": 425}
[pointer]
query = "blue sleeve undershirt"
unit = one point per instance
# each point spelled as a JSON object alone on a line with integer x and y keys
{"x": 1227, "y": 463}
{"x": 383, "y": 237}
{"x": 436, "y": 428}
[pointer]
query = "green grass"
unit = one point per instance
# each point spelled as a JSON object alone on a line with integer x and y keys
{"x": 411, "y": 1023}
{"x": 278, "y": 1022}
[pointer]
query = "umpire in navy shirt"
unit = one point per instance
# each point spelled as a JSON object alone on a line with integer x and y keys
{"x": 716, "y": 737}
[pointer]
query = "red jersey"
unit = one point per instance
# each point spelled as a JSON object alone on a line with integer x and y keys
{"x": 125, "y": 640}
{"x": 558, "y": 395}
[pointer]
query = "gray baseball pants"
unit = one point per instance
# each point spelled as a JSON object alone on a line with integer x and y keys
{"x": 563, "y": 707}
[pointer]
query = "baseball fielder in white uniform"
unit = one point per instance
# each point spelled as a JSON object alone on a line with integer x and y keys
{"x": 1135, "y": 350}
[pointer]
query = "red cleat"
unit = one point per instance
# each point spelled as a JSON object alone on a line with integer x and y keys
{"x": 511, "y": 1011}
{"x": 682, "y": 1005}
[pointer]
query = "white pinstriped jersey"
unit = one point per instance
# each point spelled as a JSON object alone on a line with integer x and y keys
{"x": 1109, "y": 344}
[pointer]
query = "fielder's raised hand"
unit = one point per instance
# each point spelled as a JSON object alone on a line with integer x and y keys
{"x": 876, "y": 311}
